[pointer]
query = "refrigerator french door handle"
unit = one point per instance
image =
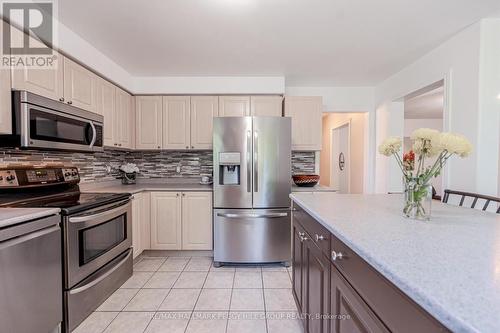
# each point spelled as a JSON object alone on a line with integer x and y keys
{"x": 256, "y": 162}
{"x": 249, "y": 163}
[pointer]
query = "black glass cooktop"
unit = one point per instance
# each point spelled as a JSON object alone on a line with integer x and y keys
{"x": 70, "y": 201}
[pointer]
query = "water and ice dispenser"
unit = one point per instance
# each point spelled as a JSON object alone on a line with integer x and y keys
{"x": 229, "y": 168}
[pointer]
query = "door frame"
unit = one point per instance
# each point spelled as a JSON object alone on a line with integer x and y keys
{"x": 348, "y": 124}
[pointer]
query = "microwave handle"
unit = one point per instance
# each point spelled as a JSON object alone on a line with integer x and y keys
{"x": 94, "y": 134}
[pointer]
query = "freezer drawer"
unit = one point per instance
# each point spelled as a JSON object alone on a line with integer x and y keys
{"x": 252, "y": 236}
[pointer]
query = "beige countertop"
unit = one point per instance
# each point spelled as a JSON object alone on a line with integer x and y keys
{"x": 317, "y": 188}
{"x": 10, "y": 216}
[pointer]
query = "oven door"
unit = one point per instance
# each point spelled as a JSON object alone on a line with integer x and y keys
{"x": 95, "y": 238}
{"x": 52, "y": 129}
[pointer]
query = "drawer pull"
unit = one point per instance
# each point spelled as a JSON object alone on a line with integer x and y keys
{"x": 337, "y": 256}
{"x": 303, "y": 238}
{"x": 319, "y": 237}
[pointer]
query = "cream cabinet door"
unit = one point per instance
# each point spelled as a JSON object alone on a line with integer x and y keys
{"x": 166, "y": 233}
{"x": 148, "y": 122}
{"x": 124, "y": 117}
{"x": 203, "y": 110}
{"x": 80, "y": 86}
{"x": 197, "y": 221}
{"x": 306, "y": 114}
{"x": 5, "y": 98}
{"x": 145, "y": 228}
{"x": 176, "y": 122}
{"x": 266, "y": 106}
{"x": 43, "y": 82}
{"x": 106, "y": 105}
{"x": 136, "y": 224}
{"x": 234, "y": 106}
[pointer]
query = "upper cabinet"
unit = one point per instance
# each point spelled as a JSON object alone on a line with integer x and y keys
{"x": 80, "y": 86}
{"x": 5, "y": 99}
{"x": 306, "y": 114}
{"x": 106, "y": 104}
{"x": 176, "y": 122}
{"x": 203, "y": 109}
{"x": 124, "y": 119}
{"x": 266, "y": 106}
{"x": 148, "y": 122}
{"x": 47, "y": 82}
{"x": 234, "y": 106}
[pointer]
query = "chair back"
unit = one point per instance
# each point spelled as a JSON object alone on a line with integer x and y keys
{"x": 474, "y": 198}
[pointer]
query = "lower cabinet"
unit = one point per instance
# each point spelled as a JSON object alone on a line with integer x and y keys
{"x": 338, "y": 292}
{"x": 141, "y": 226}
{"x": 181, "y": 220}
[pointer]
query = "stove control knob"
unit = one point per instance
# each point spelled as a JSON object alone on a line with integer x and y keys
{"x": 1, "y": 178}
{"x": 74, "y": 173}
{"x": 67, "y": 174}
{"x": 10, "y": 178}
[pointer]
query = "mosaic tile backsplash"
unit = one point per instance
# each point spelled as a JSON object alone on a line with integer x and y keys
{"x": 93, "y": 166}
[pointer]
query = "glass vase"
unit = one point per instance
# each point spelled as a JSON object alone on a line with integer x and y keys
{"x": 417, "y": 200}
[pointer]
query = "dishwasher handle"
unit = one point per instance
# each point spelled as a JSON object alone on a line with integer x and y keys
{"x": 27, "y": 237}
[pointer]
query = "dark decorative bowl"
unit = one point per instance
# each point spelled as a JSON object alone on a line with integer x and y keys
{"x": 305, "y": 180}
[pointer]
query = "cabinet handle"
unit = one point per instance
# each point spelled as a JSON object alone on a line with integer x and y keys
{"x": 158, "y": 147}
{"x": 337, "y": 256}
{"x": 70, "y": 102}
{"x": 301, "y": 234}
{"x": 183, "y": 194}
{"x": 61, "y": 99}
{"x": 319, "y": 237}
{"x": 177, "y": 195}
{"x": 192, "y": 147}
{"x": 187, "y": 147}
{"x": 303, "y": 239}
{"x": 119, "y": 144}
{"x": 116, "y": 144}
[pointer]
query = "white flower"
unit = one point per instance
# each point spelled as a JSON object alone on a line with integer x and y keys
{"x": 455, "y": 144}
{"x": 129, "y": 168}
{"x": 426, "y": 142}
{"x": 425, "y": 134}
{"x": 390, "y": 146}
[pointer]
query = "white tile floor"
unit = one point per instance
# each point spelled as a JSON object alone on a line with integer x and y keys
{"x": 189, "y": 295}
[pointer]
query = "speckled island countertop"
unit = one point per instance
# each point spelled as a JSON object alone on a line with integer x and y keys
{"x": 10, "y": 216}
{"x": 162, "y": 184}
{"x": 449, "y": 265}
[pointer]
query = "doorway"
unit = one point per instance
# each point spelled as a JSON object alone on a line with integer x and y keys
{"x": 341, "y": 158}
{"x": 425, "y": 109}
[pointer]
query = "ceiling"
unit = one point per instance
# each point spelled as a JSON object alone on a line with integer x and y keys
{"x": 429, "y": 105}
{"x": 310, "y": 42}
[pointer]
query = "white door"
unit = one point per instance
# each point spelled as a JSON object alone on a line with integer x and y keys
{"x": 234, "y": 106}
{"x": 43, "y": 82}
{"x": 197, "y": 221}
{"x": 266, "y": 106}
{"x": 166, "y": 232}
{"x": 148, "y": 122}
{"x": 124, "y": 116}
{"x": 106, "y": 107}
{"x": 340, "y": 159}
{"x": 80, "y": 86}
{"x": 136, "y": 224}
{"x": 203, "y": 110}
{"x": 176, "y": 122}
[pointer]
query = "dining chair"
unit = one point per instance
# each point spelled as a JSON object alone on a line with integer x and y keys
{"x": 474, "y": 196}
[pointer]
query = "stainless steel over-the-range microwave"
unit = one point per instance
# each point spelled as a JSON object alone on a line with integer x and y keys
{"x": 42, "y": 123}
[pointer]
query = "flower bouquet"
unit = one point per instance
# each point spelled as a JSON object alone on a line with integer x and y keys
{"x": 128, "y": 172}
{"x": 427, "y": 143}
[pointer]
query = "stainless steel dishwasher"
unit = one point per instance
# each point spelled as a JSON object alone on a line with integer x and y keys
{"x": 31, "y": 276}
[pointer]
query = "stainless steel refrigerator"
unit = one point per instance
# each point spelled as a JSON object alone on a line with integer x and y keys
{"x": 252, "y": 170}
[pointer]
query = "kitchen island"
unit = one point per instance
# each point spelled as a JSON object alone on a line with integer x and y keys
{"x": 444, "y": 273}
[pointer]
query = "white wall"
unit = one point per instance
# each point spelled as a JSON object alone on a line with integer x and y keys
{"x": 412, "y": 124}
{"x": 338, "y": 99}
{"x": 456, "y": 61}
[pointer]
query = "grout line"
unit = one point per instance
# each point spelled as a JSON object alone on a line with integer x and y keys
{"x": 195, "y": 303}
{"x": 264, "y": 297}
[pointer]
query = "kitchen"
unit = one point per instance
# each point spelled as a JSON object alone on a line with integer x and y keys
{"x": 169, "y": 188}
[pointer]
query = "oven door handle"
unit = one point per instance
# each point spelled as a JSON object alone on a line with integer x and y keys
{"x": 101, "y": 277}
{"x": 87, "y": 218}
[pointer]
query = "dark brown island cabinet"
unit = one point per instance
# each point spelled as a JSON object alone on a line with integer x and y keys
{"x": 338, "y": 292}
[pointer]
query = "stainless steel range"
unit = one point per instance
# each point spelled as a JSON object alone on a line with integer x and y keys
{"x": 252, "y": 171}
{"x": 96, "y": 233}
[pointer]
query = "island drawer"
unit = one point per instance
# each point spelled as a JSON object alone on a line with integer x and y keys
{"x": 319, "y": 234}
{"x": 398, "y": 312}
